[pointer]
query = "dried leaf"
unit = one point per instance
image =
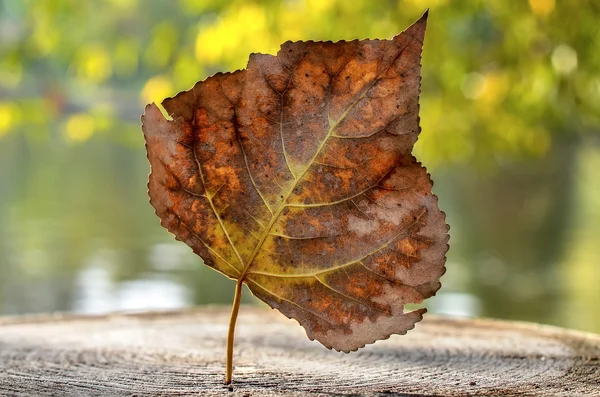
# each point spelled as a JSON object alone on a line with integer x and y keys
{"x": 295, "y": 177}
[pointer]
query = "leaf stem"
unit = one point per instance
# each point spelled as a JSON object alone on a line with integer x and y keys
{"x": 237, "y": 298}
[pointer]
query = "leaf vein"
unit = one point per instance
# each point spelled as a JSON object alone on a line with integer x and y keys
{"x": 375, "y": 308}
{"x": 376, "y": 185}
{"x": 292, "y": 302}
{"x": 181, "y": 222}
{"x": 404, "y": 233}
{"x": 285, "y": 236}
{"x": 212, "y": 206}
{"x": 308, "y": 166}
{"x": 239, "y": 140}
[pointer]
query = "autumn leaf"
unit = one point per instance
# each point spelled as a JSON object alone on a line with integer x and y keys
{"x": 295, "y": 176}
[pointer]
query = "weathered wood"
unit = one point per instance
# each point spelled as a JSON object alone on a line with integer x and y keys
{"x": 183, "y": 353}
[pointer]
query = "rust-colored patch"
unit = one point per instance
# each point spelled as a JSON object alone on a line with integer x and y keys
{"x": 296, "y": 177}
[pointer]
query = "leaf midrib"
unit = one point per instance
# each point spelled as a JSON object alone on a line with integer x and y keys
{"x": 288, "y": 194}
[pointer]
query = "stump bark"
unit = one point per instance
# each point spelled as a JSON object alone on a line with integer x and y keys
{"x": 183, "y": 353}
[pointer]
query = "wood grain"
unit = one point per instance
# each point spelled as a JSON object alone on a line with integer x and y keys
{"x": 182, "y": 353}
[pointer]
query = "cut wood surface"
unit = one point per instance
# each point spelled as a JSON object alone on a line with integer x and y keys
{"x": 183, "y": 353}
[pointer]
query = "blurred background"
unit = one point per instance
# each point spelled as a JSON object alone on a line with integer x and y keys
{"x": 510, "y": 111}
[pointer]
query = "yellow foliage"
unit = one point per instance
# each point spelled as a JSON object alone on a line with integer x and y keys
{"x": 542, "y": 7}
{"x": 490, "y": 88}
{"x": 79, "y": 128}
{"x": 186, "y": 71}
{"x": 422, "y": 4}
{"x": 93, "y": 63}
{"x": 536, "y": 86}
{"x": 472, "y": 85}
{"x": 156, "y": 89}
{"x": 451, "y": 128}
{"x": 319, "y": 6}
{"x": 289, "y": 26}
{"x": 511, "y": 135}
{"x": 495, "y": 88}
{"x": 9, "y": 117}
{"x": 230, "y": 38}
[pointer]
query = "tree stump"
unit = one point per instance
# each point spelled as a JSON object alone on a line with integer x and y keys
{"x": 183, "y": 353}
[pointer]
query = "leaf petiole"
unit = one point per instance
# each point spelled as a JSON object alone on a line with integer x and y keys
{"x": 237, "y": 298}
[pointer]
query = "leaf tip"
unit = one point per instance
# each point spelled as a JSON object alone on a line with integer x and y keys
{"x": 421, "y": 22}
